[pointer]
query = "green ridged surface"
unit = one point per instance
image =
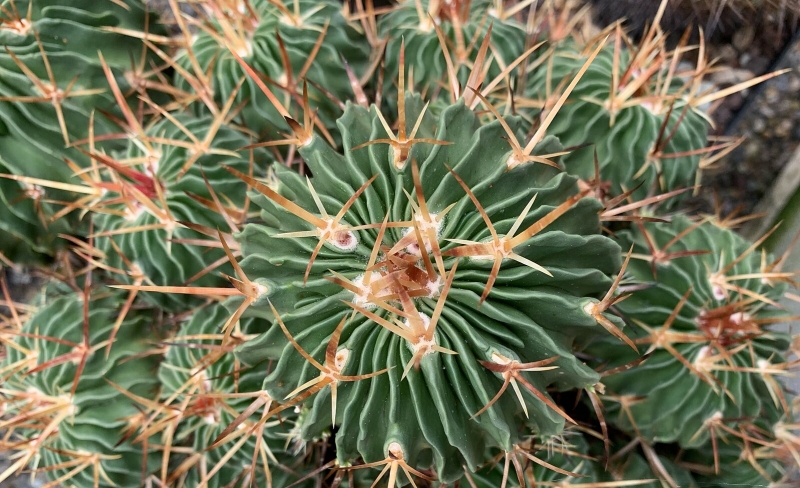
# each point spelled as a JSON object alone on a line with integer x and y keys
{"x": 186, "y": 364}
{"x": 734, "y": 470}
{"x": 24, "y": 237}
{"x": 264, "y": 55}
{"x": 662, "y": 379}
{"x": 422, "y": 47}
{"x": 101, "y": 413}
{"x": 177, "y": 263}
{"x": 31, "y": 140}
{"x": 622, "y": 148}
{"x": 528, "y": 315}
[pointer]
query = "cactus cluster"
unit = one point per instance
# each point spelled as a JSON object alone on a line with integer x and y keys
{"x": 433, "y": 244}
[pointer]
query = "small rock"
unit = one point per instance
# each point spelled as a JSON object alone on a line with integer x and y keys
{"x": 744, "y": 37}
{"x": 731, "y": 76}
{"x": 758, "y": 64}
{"x": 784, "y": 128}
{"x": 728, "y": 54}
{"x": 744, "y": 59}
{"x": 771, "y": 94}
{"x": 794, "y": 82}
{"x": 759, "y": 126}
{"x": 752, "y": 149}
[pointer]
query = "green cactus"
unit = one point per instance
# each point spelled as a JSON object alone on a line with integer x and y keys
{"x": 738, "y": 469}
{"x": 637, "y": 118}
{"x": 277, "y": 39}
{"x": 324, "y": 292}
{"x": 26, "y": 237}
{"x": 51, "y": 82}
{"x": 705, "y": 319}
{"x": 464, "y": 25}
{"x": 528, "y": 316}
{"x": 144, "y": 213}
{"x": 208, "y": 388}
{"x": 60, "y": 389}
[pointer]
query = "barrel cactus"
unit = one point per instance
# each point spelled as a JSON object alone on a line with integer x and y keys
{"x": 161, "y": 201}
{"x": 285, "y": 42}
{"x": 637, "y": 118}
{"x": 431, "y": 308}
{"x": 705, "y": 322}
{"x": 52, "y": 86}
{"x": 64, "y": 412}
{"x": 432, "y": 28}
{"x": 208, "y": 388}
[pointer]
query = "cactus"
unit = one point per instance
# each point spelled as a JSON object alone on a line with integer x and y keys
{"x": 624, "y": 110}
{"x": 428, "y": 27}
{"x": 643, "y": 119}
{"x": 704, "y": 321}
{"x": 261, "y": 278}
{"x": 208, "y": 388}
{"x": 284, "y": 41}
{"x": 466, "y": 324}
{"x": 165, "y": 200}
{"x": 61, "y": 373}
{"x": 25, "y": 226}
{"x": 51, "y": 88}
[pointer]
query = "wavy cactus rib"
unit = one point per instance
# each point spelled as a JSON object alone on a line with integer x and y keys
{"x": 642, "y": 132}
{"x": 421, "y": 320}
{"x": 160, "y": 183}
{"x": 51, "y": 84}
{"x": 705, "y": 319}
{"x": 285, "y": 41}
{"x": 320, "y": 292}
{"x": 63, "y": 414}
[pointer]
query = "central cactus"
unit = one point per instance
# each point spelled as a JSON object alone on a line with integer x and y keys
{"x": 415, "y": 281}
